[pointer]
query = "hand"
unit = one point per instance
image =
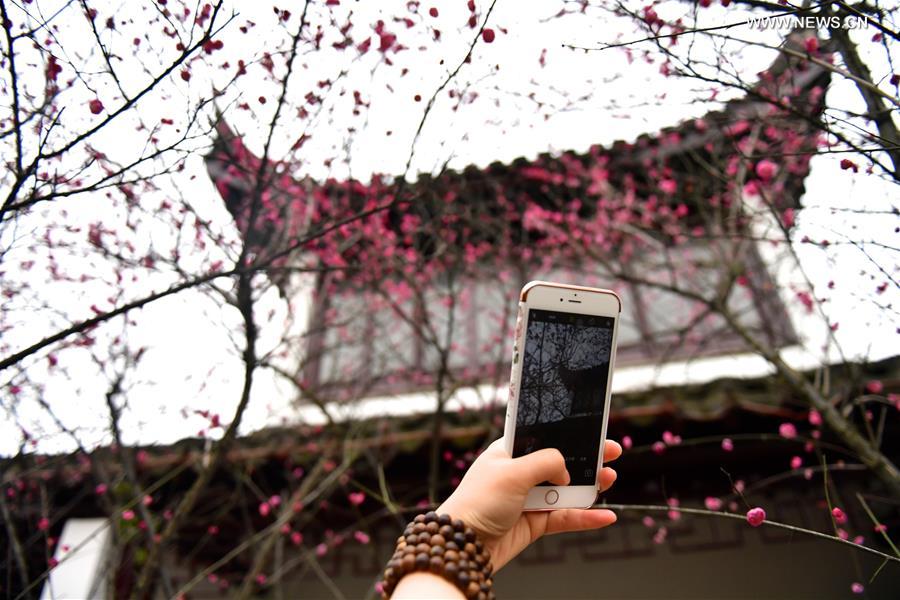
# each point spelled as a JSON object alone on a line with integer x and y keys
{"x": 492, "y": 494}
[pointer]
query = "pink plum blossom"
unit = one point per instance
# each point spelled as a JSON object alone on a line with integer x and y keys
{"x": 766, "y": 169}
{"x": 875, "y": 387}
{"x": 712, "y": 503}
{"x": 787, "y": 430}
{"x": 727, "y": 445}
{"x": 356, "y": 498}
{"x": 839, "y": 515}
{"x": 668, "y": 186}
{"x": 815, "y": 418}
{"x": 362, "y": 537}
{"x": 756, "y": 516}
{"x": 846, "y": 164}
{"x": 796, "y": 462}
{"x": 660, "y": 535}
{"x": 128, "y": 515}
{"x": 856, "y": 587}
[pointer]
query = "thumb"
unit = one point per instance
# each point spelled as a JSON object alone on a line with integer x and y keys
{"x": 544, "y": 465}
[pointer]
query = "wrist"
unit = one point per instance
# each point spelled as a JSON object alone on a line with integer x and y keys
{"x": 445, "y": 547}
{"x": 425, "y": 585}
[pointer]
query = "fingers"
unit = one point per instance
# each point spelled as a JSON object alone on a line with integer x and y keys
{"x": 606, "y": 478}
{"x": 497, "y": 446}
{"x": 544, "y": 465}
{"x": 574, "y": 519}
{"x": 611, "y": 451}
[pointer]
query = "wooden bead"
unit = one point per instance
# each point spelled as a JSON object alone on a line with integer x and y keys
{"x": 408, "y": 563}
{"x": 436, "y": 564}
{"x": 446, "y": 547}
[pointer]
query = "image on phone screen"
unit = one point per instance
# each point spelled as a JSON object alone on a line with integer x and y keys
{"x": 563, "y": 388}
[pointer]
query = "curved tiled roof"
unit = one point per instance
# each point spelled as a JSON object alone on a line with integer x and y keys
{"x": 663, "y": 173}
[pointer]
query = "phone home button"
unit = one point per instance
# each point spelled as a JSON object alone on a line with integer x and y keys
{"x": 552, "y": 497}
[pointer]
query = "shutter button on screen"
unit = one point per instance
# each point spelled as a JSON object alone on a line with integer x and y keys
{"x": 551, "y": 497}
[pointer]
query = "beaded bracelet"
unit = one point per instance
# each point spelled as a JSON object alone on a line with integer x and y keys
{"x": 445, "y": 547}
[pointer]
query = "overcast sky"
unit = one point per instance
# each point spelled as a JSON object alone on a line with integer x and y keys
{"x": 596, "y": 97}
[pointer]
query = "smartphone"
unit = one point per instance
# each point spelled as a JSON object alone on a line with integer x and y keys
{"x": 563, "y": 357}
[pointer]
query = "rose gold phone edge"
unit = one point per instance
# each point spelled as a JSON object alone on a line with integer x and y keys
{"x": 569, "y": 496}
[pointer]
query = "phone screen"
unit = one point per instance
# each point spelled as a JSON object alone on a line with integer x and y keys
{"x": 562, "y": 389}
